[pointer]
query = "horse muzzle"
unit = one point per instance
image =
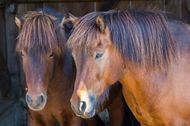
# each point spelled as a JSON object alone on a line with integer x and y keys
{"x": 85, "y": 108}
{"x": 36, "y": 102}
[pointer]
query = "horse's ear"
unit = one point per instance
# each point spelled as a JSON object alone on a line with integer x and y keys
{"x": 18, "y": 22}
{"x": 100, "y": 23}
{"x": 73, "y": 18}
{"x": 69, "y": 20}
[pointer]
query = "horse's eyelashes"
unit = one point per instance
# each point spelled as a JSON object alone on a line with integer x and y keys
{"x": 22, "y": 53}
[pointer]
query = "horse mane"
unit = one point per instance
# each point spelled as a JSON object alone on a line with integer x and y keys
{"x": 141, "y": 37}
{"x": 39, "y": 34}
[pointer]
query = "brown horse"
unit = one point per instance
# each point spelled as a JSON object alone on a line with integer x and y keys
{"x": 147, "y": 52}
{"x": 49, "y": 70}
{"x": 112, "y": 98}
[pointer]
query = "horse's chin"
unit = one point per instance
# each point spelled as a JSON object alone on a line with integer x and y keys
{"x": 37, "y": 108}
{"x": 87, "y": 115}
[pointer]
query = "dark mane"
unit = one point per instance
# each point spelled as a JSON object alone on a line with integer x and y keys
{"x": 39, "y": 34}
{"x": 141, "y": 37}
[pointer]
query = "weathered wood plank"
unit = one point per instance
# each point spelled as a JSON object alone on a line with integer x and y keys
{"x": 12, "y": 58}
{"x": 2, "y": 34}
{"x": 55, "y": 1}
{"x": 12, "y": 113}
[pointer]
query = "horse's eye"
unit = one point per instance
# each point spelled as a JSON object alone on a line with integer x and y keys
{"x": 22, "y": 53}
{"x": 51, "y": 55}
{"x": 98, "y": 55}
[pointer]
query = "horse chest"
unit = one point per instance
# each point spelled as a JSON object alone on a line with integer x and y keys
{"x": 140, "y": 113}
{"x": 160, "y": 110}
{"x": 146, "y": 109}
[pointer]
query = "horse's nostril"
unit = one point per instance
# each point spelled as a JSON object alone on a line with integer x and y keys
{"x": 40, "y": 99}
{"x": 28, "y": 99}
{"x": 82, "y": 106}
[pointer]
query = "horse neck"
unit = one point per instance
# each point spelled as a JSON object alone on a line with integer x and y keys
{"x": 146, "y": 90}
